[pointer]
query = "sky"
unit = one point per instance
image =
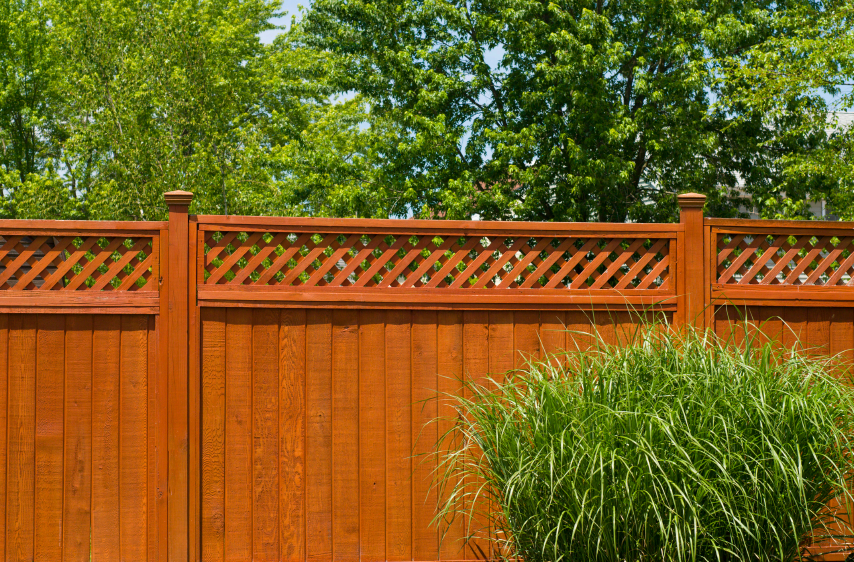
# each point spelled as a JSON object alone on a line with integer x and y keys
{"x": 292, "y": 8}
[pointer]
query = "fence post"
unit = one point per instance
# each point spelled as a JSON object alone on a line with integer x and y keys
{"x": 691, "y": 258}
{"x": 177, "y": 330}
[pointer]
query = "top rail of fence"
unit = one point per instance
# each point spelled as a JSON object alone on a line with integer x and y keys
{"x": 826, "y": 228}
{"x": 435, "y": 227}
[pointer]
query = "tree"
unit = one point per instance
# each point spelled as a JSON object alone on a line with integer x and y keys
{"x": 595, "y": 110}
{"x": 797, "y": 81}
{"x": 107, "y": 104}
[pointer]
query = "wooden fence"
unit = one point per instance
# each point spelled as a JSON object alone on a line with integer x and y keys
{"x": 245, "y": 388}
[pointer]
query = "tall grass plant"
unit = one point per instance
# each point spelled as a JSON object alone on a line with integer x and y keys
{"x": 673, "y": 447}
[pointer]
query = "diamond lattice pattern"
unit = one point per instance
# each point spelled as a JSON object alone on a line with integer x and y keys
{"x": 75, "y": 263}
{"x": 460, "y": 262}
{"x": 781, "y": 259}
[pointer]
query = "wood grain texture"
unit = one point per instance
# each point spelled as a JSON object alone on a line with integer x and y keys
{"x": 476, "y": 347}
{"x": 399, "y": 500}
{"x": 133, "y": 473}
{"x": 450, "y": 382}
{"x": 579, "y": 327}
{"x": 78, "y": 439}
{"x": 795, "y": 331}
{"x": 155, "y": 511}
{"x": 818, "y": 330}
{"x": 213, "y": 434}
{"x": 50, "y": 375}
{"x": 20, "y": 474}
{"x": 425, "y": 539}
{"x": 553, "y": 333}
{"x": 292, "y": 476}
{"x": 4, "y": 427}
{"x": 106, "y": 533}
{"x": 526, "y": 337}
{"x": 265, "y": 434}
{"x": 770, "y": 325}
{"x": 842, "y": 338}
{"x": 345, "y": 435}
{"x": 318, "y": 438}
{"x": 238, "y": 435}
{"x": 161, "y": 409}
{"x": 372, "y": 432}
{"x": 194, "y": 398}
{"x": 502, "y": 352}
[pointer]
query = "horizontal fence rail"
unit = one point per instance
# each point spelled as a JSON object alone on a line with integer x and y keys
{"x": 213, "y": 388}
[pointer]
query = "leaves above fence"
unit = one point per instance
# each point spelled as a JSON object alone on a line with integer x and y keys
{"x": 436, "y": 262}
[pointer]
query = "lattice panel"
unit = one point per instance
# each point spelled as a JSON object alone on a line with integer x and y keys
{"x": 780, "y": 259}
{"x": 457, "y": 262}
{"x": 77, "y": 263}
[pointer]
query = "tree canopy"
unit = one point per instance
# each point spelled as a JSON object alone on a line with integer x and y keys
{"x": 594, "y": 110}
{"x": 107, "y": 104}
{"x": 505, "y": 109}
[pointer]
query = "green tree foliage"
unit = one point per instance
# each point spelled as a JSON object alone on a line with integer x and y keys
{"x": 523, "y": 109}
{"x": 106, "y": 104}
{"x": 787, "y": 80}
{"x": 591, "y": 102}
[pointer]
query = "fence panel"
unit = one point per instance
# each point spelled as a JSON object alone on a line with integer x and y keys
{"x": 324, "y": 345}
{"x": 786, "y": 282}
{"x": 272, "y": 380}
{"x": 315, "y": 422}
{"x": 79, "y": 340}
{"x": 79, "y": 471}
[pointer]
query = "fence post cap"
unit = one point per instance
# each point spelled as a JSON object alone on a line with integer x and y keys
{"x": 178, "y": 198}
{"x": 691, "y": 200}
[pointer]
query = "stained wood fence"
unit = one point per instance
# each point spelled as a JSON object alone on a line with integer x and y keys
{"x": 245, "y": 388}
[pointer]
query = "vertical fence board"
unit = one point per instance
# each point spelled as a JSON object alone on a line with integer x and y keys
{"x": 238, "y": 435}
{"x": 345, "y": 434}
{"x": 78, "y": 438}
{"x": 553, "y": 333}
{"x": 4, "y": 413}
{"x": 526, "y": 337}
{"x": 20, "y": 473}
{"x": 105, "y": 439}
{"x": 818, "y": 330}
{"x": 372, "y": 428}
{"x": 450, "y": 366}
{"x": 579, "y": 326}
{"x": 133, "y": 475}
{"x": 795, "y": 334}
{"x": 771, "y": 324}
{"x": 151, "y": 380}
{"x": 476, "y": 346}
{"x": 50, "y": 373}
{"x": 398, "y": 433}
{"x": 425, "y": 541}
{"x": 292, "y": 476}
{"x": 502, "y": 352}
{"x": 842, "y": 336}
{"x": 265, "y": 442}
{"x": 318, "y": 439}
{"x": 213, "y": 434}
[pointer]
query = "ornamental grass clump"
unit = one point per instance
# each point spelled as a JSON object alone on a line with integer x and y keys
{"x": 668, "y": 448}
